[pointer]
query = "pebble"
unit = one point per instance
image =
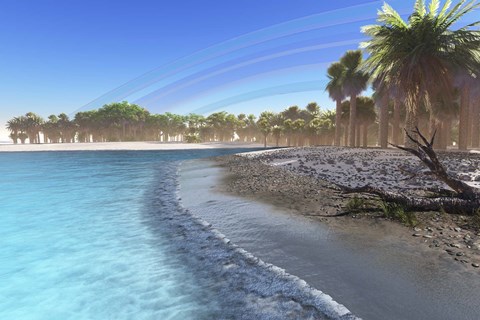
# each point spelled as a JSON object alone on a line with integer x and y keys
{"x": 455, "y": 245}
{"x": 459, "y": 254}
{"x": 427, "y": 236}
{"x": 475, "y": 265}
{"x": 416, "y": 235}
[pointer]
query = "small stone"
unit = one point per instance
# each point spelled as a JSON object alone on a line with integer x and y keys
{"x": 416, "y": 235}
{"x": 458, "y": 229}
{"x": 455, "y": 245}
{"x": 475, "y": 265}
{"x": 459, "y": 254}
{"x": 417, "y": 229}
{"x": 427, "y": 236}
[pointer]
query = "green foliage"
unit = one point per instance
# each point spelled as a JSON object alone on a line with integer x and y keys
{"x": 396, "y": 211}
{"x": 192, "y": 139}
{"x": 357, "y": 204}
{"x": 418, "y": 58}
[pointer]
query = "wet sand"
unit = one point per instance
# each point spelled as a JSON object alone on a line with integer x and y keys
{"x": 371, "y": 266}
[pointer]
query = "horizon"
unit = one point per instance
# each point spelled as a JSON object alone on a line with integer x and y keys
{"x": 67, "y": 58}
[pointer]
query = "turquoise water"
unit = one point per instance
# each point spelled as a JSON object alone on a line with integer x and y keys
{"x": 81, "y": 238}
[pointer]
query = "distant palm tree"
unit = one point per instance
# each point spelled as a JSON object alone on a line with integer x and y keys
{"x": 33, "y": 125}
{"x": 366, "y": 116}
{"x": 15, "y": 127}
{"x": 335, "y": 91}
{"x": 354, "y": 82}
{"x": 417, "y": 56}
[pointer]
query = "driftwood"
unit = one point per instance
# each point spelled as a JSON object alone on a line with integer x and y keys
{"x": 463, "y": 199}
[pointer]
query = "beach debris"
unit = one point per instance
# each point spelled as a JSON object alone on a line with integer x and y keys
{"x": 464, "y": 199}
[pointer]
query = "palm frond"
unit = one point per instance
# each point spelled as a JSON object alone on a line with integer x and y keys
{"x": 419, "y": 8}
{"x": 445, "y": 8}
{"x": 433, "y": 8}
{"x": 390, "y": 16}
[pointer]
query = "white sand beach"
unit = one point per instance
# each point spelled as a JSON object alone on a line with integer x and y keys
{"x": 390, "y": 169}
{"x": 111, "y": 146}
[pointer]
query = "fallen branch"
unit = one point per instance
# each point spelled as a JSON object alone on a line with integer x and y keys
{"x": 464, "y": 199}
{"x": 429, "y": 157}
{"x": 449, "y": 204}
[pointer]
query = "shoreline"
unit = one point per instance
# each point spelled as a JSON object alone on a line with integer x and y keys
{"x": 361, "y": 263}
{"x": 123, "y": 146}
{"x": 451, "y": 237}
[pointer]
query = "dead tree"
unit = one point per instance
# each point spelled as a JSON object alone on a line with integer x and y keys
{"x": 463, "y": 200}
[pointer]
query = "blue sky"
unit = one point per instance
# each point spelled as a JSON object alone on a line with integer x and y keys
{"x": 202, "y": 56}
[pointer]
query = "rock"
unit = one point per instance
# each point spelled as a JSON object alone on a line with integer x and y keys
{"x": 458, "y": 229}
{"x": 455, "y": 245}
{"x": 427, "y": 236}
{"x": 477, "y": 178}
{"x": 416, "y": 235}
{"x": 459, "y": 254}
{"x": 475, "y": 265}
{"x": 464, "y": 177}
{"x": 417, "y": 229}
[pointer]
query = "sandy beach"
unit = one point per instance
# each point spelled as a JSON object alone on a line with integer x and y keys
{"x": 112, "y": 146}
{"x": 304, "y": 180}
{"x": 373, "y": 266}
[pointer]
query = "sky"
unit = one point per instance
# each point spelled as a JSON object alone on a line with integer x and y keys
{"x": 178, "y": 56}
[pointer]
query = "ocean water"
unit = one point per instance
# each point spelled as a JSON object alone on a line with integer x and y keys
{"x": 81, "y": 237}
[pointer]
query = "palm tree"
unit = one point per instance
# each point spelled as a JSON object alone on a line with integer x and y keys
{"x": 354, "y": 82}
{"x": 313, "y": 108}
{"x": 366, "y": 116}
{"x": 14, "y": 126}
{"x": 33, "y": 126}
{"x": 335, "y": 91}
{"x": 264, "y": 123}
{"x": 416, "y": 57}
{"x": 51, "y": 132}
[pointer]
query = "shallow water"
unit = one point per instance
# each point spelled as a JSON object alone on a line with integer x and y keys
{"x": 374, "y": 275}
{"x": 81, "y": 238}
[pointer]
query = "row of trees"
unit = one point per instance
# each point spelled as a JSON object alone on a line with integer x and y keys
{"x": 129, "y": 122}
{"x": 420, "y": 68}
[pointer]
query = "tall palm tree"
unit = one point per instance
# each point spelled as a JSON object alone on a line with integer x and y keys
{"x": 416, "y": 56}
{"x": 366, "y": 116}
{"x": 354, "y": 82}
{"x": 335, "y": 91}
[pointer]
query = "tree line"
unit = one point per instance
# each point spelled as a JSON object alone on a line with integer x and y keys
{"x": 124, "y": 121}
{"x": 424, "y": 75}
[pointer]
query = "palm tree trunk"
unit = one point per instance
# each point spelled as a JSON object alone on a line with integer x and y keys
{"x": 357, "y": 138}
{"x": 411, "y": 122}
{"x": 463, "y": 119}
{"x": 475, "y": 127}
{"x": 345, "y": 137}
{"x": 365, "y": 135}
{"x": 383, "y": 132}
{"x": 396, "y": 122}
{"x": 338, "y": 119}
{"x": 353, "y": 119}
